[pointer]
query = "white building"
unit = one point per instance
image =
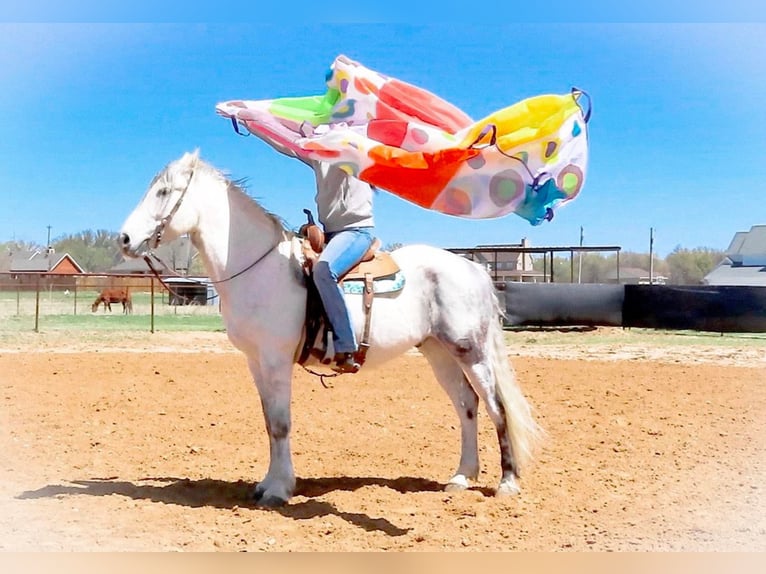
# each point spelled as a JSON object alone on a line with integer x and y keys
{"x": 745, "y": 261}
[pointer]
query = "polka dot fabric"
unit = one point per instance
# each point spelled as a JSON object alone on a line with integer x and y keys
{"x": 527, "y": 159}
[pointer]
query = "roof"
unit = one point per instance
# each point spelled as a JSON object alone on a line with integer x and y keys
{"x": 35, "y": 262}
{"x": 745, "y": 261}
{"x": 726, "y": 274}
{"x": 753, "y": 242}
{"x": 10, "y": 259}
{"x": 736, "y": 242}
{"x": 188, "y": 280}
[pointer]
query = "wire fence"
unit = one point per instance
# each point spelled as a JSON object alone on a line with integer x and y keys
{"x": 36, "y": 301}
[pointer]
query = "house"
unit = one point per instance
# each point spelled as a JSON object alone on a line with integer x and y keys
{"x": 745, "y": 260}
{"x": 507, "y": 262}
{"x": 25, "y": 269}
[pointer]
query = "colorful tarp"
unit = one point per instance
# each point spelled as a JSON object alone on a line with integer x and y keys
{"x": 527, "y": 159}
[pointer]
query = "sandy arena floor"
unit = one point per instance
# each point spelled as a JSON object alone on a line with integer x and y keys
{"x": 154, "y": 444}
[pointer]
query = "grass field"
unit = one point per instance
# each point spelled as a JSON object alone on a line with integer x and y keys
{"x": 61, "y": 311}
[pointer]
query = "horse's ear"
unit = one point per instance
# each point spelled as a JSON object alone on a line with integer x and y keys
{"x": 190, "y": 158}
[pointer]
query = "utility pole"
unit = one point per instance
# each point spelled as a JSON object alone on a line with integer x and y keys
{"x": 579, "y": 270}
{"x": 651, "y": 256}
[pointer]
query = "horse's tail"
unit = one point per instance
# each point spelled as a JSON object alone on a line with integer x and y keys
{"x": 523, "y": 431}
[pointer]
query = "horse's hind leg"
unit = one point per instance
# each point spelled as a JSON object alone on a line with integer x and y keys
{"x": 483, "y": 360}
{"x": 482, "y": 377}
{"x": 466, "y": 402}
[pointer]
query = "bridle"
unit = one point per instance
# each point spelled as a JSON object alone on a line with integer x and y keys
{"x": 159, "y": 231}
{"x": 162, "y": 225}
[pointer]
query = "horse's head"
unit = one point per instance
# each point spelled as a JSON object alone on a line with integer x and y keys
{"x": 166, "y": 211}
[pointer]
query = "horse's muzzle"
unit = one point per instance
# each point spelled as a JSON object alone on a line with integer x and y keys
{"x": 127, "y": 248}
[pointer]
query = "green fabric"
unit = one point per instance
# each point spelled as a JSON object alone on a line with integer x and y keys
{"x": 313, "y": 109}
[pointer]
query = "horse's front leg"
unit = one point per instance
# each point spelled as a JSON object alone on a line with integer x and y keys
{"x": 274, "y": 387}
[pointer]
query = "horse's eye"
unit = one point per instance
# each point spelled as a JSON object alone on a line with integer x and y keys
{"x": 163, "y": 192}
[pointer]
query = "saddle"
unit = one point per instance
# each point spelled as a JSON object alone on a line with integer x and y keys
{"x": 374, "y": 264}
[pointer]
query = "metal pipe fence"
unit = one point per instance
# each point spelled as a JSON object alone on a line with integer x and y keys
{"x": 35, "y": 301}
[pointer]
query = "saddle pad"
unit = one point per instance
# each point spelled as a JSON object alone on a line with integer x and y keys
{"x": 387, "y": 284}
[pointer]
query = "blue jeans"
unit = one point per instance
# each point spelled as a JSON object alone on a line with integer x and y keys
{"x": 343, "y": 250}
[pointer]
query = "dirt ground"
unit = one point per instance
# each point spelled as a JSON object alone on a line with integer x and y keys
{"x": 153, "y": 444}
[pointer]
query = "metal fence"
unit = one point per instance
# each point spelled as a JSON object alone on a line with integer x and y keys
{"x": 29, "y": 301}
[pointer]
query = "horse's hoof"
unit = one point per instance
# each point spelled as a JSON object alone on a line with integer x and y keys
{"x": 507, "y": 489}
{"x": 264, "y": 500}
{"x": 257, "y": 493}
{"x": 457, "y": 483}
{"x": 270, "y": 501}
{"x": 455, "y": 487}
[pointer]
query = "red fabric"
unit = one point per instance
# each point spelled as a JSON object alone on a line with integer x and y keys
{"x": 417, "y": 177}
{"x": 416, "y": 103}
{"x": 387, "y": 132}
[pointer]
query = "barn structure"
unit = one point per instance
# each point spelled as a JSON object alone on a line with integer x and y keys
{"x": 191, "y": 291}
{"x": 511, "y": 262}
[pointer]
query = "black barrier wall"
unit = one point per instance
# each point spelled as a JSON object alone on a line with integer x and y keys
{"x": 698, "y": 308}
{"x": 563, "y": 304}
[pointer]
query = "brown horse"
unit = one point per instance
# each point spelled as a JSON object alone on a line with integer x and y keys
{"x": 114, "y": 295}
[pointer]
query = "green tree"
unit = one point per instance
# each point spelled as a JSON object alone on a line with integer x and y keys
{"x": 95, "y": 251}
{"x": 596, "y": 267}
{"x": 16, "y": 246}
{"x": 197, "y": 268}
{"x": 562, "y": 268}
{"x": 689, "y": 266}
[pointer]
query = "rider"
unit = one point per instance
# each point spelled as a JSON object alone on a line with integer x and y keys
{"x": 344, "y": 206}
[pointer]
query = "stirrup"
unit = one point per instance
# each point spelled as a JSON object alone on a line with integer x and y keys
{"x": 346, "y": 363}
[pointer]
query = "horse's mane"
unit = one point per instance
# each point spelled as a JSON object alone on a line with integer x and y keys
{"x": 239, "y": 186}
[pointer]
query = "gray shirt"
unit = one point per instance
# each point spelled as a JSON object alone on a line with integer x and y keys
{"x": 343, "y": 201}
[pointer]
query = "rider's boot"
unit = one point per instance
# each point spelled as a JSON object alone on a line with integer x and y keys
{"x": 346, "y": 363}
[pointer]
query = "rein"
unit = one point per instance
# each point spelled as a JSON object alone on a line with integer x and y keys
{"x": 150, "y": 254}
{"x": 159, "y": 231}
{"x": 322, "y": 376}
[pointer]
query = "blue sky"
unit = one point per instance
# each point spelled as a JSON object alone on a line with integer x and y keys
{"x": 89, "y": 112}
